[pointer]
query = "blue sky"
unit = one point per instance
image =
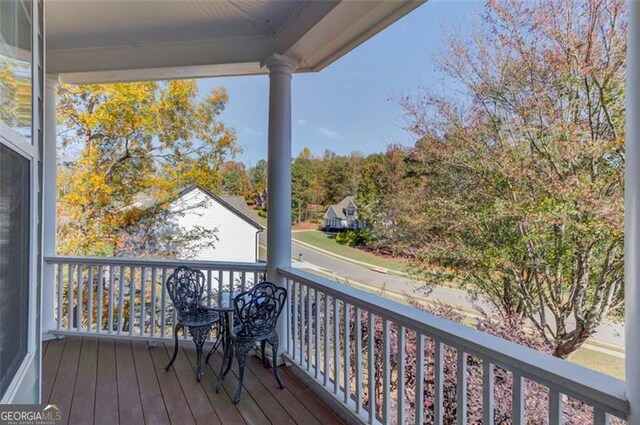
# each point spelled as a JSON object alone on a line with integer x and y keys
{"x": 349, "y": 105}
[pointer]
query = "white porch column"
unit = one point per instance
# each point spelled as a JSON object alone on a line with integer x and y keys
{"x": 279, "y": 175}
{"x": 49, "y": 196}
{"x": 632, "y": 216}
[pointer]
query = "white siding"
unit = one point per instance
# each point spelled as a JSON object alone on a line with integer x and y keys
{"x": 237, "y": 239}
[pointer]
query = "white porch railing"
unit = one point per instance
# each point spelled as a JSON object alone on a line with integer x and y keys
{"x": 455, "y": 371}
{"x": 127, "y": 296}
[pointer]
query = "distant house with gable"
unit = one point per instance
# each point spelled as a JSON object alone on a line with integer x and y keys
{"x": 261, "y": 200}
{"x": 343, "y": 215}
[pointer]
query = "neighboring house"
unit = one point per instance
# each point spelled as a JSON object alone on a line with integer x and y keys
{"x": 225, "y": 221}
{"x": 261, "y": 200}
{"x": 343, "y": 215}
{"x": 235, "y": 227}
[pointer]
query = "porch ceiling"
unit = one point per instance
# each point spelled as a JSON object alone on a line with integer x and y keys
{"x": 118, "y": 40}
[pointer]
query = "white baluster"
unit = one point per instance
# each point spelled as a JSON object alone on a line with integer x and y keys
{"x": 317, "y": 334}
{"x": 294, "y": 299}
{"x": 336, "y": 346}
{"x": 90, "y": 299}
{"x": 60, "y": 279}
{"x": 419, "y": 414}
{"x": 555, "y": 407}
{"x": 371, "y": 378}
{"x": 461, "y": 388}
{"x": 110, "y": 300}
{"x": 70, "y": 292}
{"x": 487, "y": 392}
{"x": 309, "y": 317}
{"x": 326, "y": 341}
{"x": 302, "y": 324}
{"x": 132, "y": 300}
{"x": 120, "y": 299}
{"x": 100, "y": 298}
{"x": 438, "y": 398}
{"x": 386, "y": 371}
{"x": 400, "y": 372}
{"x": 358, "y": 365}
{"x": 288, "y": 309}
{"x": 79, "y": 302}
{"x": 163, "y": 304}
{"x": 346, "y": 350}
{"x": 154, "y": 304}
{"x": 143, "y": 295}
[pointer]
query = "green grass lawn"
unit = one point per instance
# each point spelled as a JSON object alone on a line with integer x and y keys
{"x": 324, "y": 241}
{"x": 602, "y": 362}
{"x": 261, "y": 220}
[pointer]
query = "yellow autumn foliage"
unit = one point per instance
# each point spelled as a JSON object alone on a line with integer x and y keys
{"x": 123, "y": 142}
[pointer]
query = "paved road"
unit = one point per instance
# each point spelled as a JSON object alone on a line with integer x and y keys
{"x": 607, "y": 333}
{"x": 612, "y": 334}
{"x": 350, "y": 271}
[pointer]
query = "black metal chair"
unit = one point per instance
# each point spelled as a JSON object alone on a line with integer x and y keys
{"x": 186, "y": 290}
{"x": 256, "y": 314}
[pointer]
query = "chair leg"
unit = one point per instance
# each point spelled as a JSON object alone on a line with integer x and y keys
{"x": 227, "y": 358}
{"x": 219, "y": 342}
{"x": 210, "y": 353}
{"x": 199, "y": 335}
{"x": 273, "y": 341}
{"x": 175, "y": 347}
{"x": 199, "y": 362}
{"x": 223, "y": 336}
{"x": 263, "y": 345}
{"x": 242, "y": 352}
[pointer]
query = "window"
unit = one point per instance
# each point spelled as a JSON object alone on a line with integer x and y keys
{"x": 15, "y": 65}
{"x": 18, "y": 185}
{"x": 15, "y": 192}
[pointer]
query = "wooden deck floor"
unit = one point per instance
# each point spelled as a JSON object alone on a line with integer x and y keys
{"x": 106, "y": 381}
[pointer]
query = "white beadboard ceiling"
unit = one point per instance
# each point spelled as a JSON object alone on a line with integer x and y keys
{"x": 75, "y": 24}
{"x": 126, "y": 40}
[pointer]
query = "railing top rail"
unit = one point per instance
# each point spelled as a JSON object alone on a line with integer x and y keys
{"x": 592, "y": 387}
{"x": 151, "y": 262}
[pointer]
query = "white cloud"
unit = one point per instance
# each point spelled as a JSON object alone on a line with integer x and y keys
{"x": 329, "y": 133}
{"x": 251, "y": 132}
{"x": 326, "y": 132}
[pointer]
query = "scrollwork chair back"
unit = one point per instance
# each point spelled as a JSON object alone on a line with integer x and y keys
{"x": 258, "y": 309}
{"x": 186, "y": 290}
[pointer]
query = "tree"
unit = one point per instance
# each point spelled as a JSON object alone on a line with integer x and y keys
{"x": 341, "y": 176}
{"x": 370, "y": 189}
{"x": 15, "y": 93}
{"x": 518, "y": 177}
{"x": 127, "y": 143}
{"x": 235, "y": 180}
{"x": 305, "y": 184}
{"x": 383, "y": 206}
{"x": 258, "y": 176}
